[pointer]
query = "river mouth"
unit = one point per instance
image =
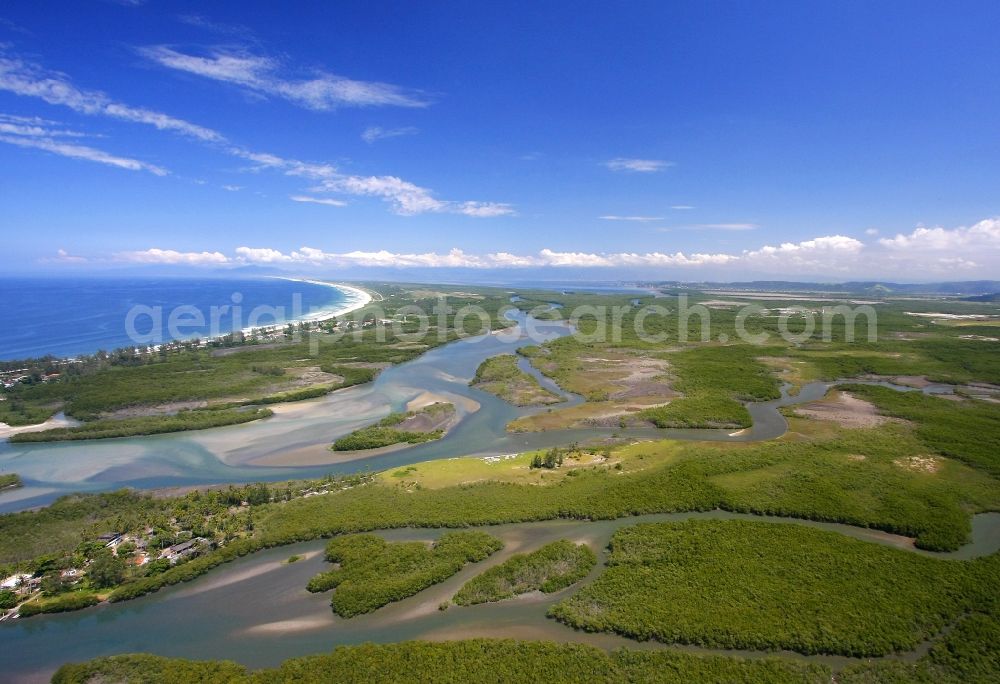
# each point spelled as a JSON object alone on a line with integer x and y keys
{"x": 257, "y": 612}
{"x": 293, "y": 443}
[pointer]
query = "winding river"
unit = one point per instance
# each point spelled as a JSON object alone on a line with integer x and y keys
{"x": 293, "y": 443}
{"x": 256, "y": 610}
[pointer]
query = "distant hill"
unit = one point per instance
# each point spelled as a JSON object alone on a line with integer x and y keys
{"x": 995, "y": 297}
{"x": 985, "y": 288}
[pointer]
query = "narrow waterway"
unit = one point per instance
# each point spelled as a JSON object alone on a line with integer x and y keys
{"x": 293, "y": 443}
{"x": 256, "y": 610}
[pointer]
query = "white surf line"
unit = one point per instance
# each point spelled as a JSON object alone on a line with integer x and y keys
{"x": 359, "y": 301}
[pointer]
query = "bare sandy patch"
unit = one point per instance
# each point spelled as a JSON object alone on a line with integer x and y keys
{"x": 167, "y": 409}
{"x": 289, "y": 626}
{"x": 919, "y": 464}
{"x": 845, "y": 410}
{"x": 56, "y": 421}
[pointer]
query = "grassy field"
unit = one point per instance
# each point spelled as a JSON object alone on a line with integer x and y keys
{"x": 10, "y": 480}
{"x": 372, "y": 572}
{"x": 553, "y": 567}
{"x": 500, "y": 375}
{"x": 738, "y": 584}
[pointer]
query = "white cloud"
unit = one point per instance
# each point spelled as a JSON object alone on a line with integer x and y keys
{"x": 373, "y": 133}
{"x": 408, "y": 199}
{"x": 29, "y": 80}
{"x": 232, "y": 188}
{"x": 682, "y": 207}
{"x": 637, "y": 165}
{"x": 985, "y": 233}
{"x": 260, "y": 74}
{"x": 638, "y": 219}
{"x": 169, "y": 256}
{"x": 482, "y": 209}
{"x": 82, "y": 152}
{"x": 34, "y": 126}
{"x": 871, "y": 231}
{"x": 318, "y": 200}
{"x": 64, "y": 257}
{"x": 261, "y": 255}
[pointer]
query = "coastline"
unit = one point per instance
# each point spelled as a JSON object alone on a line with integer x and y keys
{"x": 356, "y": 299}
{"x": 362, "y": 299}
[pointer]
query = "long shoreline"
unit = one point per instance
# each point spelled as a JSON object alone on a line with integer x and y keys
{"x": 361, "y": 300}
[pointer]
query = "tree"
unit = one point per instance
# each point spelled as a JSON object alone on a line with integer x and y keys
{"x": 8, "y": 599}
{"x": 54, "y": 584}
{"x": 106, "y": 571}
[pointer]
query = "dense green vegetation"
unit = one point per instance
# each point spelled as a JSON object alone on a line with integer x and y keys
{"x": 821, "y": 480}
{"x": 731, "y": 370}
{"x": 700, "y": 411}
{"x": 501, "y": 376}
{"x": 145, "y": 425}
{"x": 61, "y": 604}
{"x": 853, "y": 478}
{"x": 9, "y": 480}
{"x": 372, "y": 572}
{"x": 968, "y": 653}
{"x": 968, "y": 431}
{"x": 391, "y": 430}
{"x": 553, "y": 567}
{"x": 740, "y": 584}
{"x": 456, "y": 662}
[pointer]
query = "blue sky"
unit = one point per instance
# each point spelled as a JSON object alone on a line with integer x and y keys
{"x": 683, "y": 140}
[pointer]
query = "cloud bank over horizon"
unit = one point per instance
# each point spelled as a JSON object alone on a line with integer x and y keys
{"x": 955, "y": 253}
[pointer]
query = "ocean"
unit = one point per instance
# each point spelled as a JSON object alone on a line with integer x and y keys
{"x": 66, "y": 317}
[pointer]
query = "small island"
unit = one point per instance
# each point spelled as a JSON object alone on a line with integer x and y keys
{"x": 372, "y": 572}
{"x": 412, "y": 427}
{"x": 553, "y": 567}
{"x": 501, "y": 376}
{"x": 10, "y": 481}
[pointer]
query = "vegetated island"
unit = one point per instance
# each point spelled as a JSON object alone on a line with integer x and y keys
{"x": 148, "y": 425}
{"x": 10, "y": 481}
{"x": 412, "y": 427}
{"x": 372, "y": 572}
{"x": 500, "y": 376}
{"x": 553, "y": 567}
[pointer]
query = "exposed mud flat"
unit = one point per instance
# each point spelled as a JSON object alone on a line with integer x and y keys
{"x": 845, "y": 410}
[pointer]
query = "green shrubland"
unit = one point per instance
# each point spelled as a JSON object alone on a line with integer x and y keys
{"x": 755, "y": 585}
{"x": 968, "y": 431}
{"x": 553, "y": 567}
{"x": 372, "y": 572}
{"x": 457, "y": 662}
{"x": 145, "y": 425}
